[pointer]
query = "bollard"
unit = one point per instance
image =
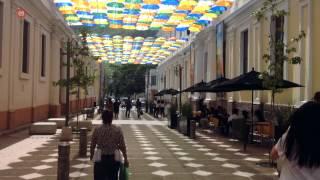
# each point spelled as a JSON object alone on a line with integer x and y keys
{"x": 193, "y": 129}
{"x": 83, "y": 142}
{"x": 63, "y": 161}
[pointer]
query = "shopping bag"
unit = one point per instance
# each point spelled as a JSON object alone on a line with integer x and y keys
{"x": 124, "y": 173}
{"x": 118, "y": 156}
{"x": 141, "y": 112}
{"x": 97, "y": 155}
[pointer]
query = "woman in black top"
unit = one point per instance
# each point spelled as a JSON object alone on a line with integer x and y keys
{"x": 116, "y": 107}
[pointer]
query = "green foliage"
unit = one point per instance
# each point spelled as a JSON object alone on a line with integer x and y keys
{"x": 270, "y": 6}
{"x": 186, "y": 110}
{"x": 283, "y": 116}
{"x": 125, "y": 80}
{"x": 280, "y": 52}
{"x": 81, "y": 59}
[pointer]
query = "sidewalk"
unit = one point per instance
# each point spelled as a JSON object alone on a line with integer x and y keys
{"x": 155, "y": 153}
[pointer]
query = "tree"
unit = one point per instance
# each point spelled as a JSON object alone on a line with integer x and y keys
{"x": 125, "y": 80}
{"x": 279, "y": 51}
{"x": 81, "y": 59}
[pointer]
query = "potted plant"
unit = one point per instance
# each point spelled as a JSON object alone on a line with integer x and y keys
{"x": 282, "y": 117}
{"x": 186, "y": 111}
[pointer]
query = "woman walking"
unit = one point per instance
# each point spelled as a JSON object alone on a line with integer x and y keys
{"x": 108, "y": 138}
{"x": 298, "y": 148}
{"x": 116, "y": 108}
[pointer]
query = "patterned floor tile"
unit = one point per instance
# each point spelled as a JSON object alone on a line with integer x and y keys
{"x": 41, "y": 167}
{"x": 49, "y": 160}
{"x": 219, "y": 159}
{"x": 194, "y": 165}
{"x": 153, "y": 158}
{"x": 77, "y": 174}
{"x": 243, "y": 174}
{"x": 252, "y": 159}
{"x": 156, "y": 164}
{"x": 81, "y": 166}
{"x": 229, "y": 165}
{"x": 175, "y": 149}
{"x": 212, "y": 154}
{"x": 150, "y": 153}
{"x": 186, "y": 158}
{"x": 31, "y": 176}
{"x": 162, "y": 173}
{"x": 181, "y": 153}
{"x": 202, "y": 173}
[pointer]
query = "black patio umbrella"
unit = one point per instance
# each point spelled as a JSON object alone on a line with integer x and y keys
{"x": 160, "y": 93}
{"x": 249, "y": 81}
{"x": 195, "y": 86}
{"x": 210, "y": 84}
{"x": 171, "y": 91}
{"x": 167, "y": 91}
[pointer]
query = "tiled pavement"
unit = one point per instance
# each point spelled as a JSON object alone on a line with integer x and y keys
{"x": 155, "y": 153}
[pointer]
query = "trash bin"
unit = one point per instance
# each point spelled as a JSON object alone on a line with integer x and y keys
{"x": 192, "y": 129}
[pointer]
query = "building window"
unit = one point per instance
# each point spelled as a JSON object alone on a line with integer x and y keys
{"x": 244, "y": 51}
{"x": 43, "y": 54}
{"x": 25, "y": 47}
{"x": 1, "y": 31}
{"x": 153, "y": 80}
{"x": 205, "y": 65}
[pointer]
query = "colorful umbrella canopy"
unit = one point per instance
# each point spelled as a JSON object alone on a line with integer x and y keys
{"x": 133, "y": 50}
{"x": 168, "y": 15}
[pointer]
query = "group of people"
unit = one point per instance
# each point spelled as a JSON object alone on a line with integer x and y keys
{"x": 115, "y": 107}
{"x": 158, "y": 108}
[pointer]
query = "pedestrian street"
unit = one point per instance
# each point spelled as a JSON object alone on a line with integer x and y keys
{"x": 155, "y": 153}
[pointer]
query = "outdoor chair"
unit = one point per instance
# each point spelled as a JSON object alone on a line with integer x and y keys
{"x": 213, "y": 123}
{"x": 264, "y": 133}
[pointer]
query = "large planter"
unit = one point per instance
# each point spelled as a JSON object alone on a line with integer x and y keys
{"x": 183, "y": 125}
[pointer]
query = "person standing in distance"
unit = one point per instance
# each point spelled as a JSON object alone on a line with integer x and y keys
{"x": 128, "y": 107}
{"x": 138, "y": 106}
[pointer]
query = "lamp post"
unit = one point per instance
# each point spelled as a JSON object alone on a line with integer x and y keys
{"x": 180, "y": 86}
{"x": 147, "y": 102}
{"x": 68, "y": 80}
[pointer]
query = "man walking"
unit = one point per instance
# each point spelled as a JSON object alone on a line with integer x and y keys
{"x": 138, "y": 106}
{"x": 128, "y": 108}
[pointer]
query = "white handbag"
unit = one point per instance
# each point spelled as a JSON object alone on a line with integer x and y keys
{"x": 118, "y": 156}
{"x": 97, "y": 155}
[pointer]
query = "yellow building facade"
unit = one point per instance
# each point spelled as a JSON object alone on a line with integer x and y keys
{"x": 198, "y": 58}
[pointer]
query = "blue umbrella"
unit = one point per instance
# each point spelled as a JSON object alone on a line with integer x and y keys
{"x": 150, "y": 6}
